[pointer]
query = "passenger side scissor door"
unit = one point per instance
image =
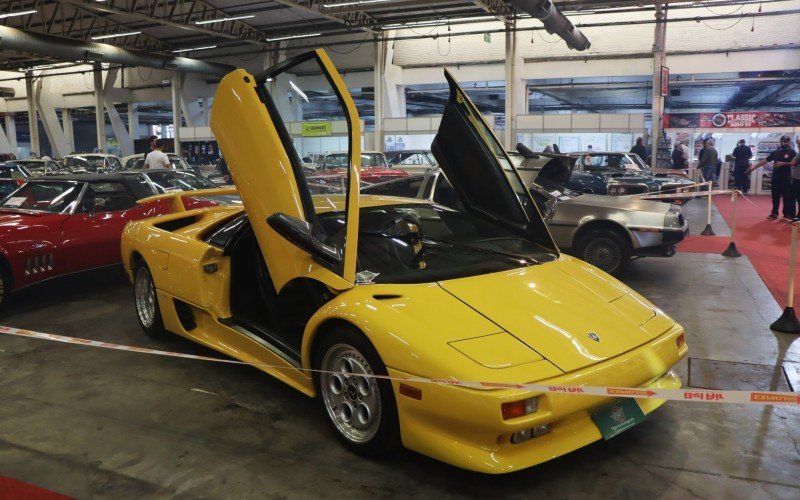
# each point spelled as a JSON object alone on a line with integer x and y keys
{"x": 252, "y": 119}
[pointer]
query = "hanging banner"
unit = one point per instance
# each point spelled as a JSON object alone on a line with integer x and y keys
{"x": 316, "y": 129}
{"x": 664, "y": 81}
{"x": 758, "y": 119}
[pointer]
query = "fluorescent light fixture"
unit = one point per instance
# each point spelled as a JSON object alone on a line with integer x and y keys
{"x": 195, "y": 48}
{"x": 346, "y": 4}
{"x": 433, "y": 22}
{"x": 233, "y": 18}
{"x": 103, "y": 37}
{"x": 290, "y": 37}
{"x": 299, "y": 92}
{"x": 20, "y": 13}
{"x": 47, "y": 66}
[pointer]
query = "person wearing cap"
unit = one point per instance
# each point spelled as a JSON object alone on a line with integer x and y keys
{"x": 741, "y": 162}
{"x": 781, "y": 160}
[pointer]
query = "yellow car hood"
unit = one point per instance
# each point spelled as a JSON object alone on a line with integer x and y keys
{"x": 569, "y": 312}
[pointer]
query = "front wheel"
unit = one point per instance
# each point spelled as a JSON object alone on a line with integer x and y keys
{"x": 360, "y": 408}
{"x": 607, "y": 250}
{"x": 147, "y": 310}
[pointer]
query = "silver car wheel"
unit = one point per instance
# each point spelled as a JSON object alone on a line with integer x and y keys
{"x": 350, "y": 393}
{"x": 603, "y": 253}
{"x": 145, "y": 294}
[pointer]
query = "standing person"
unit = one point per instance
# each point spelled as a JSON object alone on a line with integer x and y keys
{"x": 708, "y": 161}
{"x": 678, "y": 161}
{"x": 639, "y": 148}
{"x": 796, "y": 183}
{"x": 157, "y": 158}
{"x": 781, "y": 160}
{"x": 741, "y": 162}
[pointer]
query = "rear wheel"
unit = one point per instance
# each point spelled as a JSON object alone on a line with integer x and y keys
{"x": 607, "y": 250}
{"x": 5, "y": 286}
{"x": 360, "y": 408}
{"x": 147, "y": 310}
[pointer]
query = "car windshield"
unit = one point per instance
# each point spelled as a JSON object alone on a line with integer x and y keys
{"x": 423, "y": 243}
{"x": 339, "y": 160}
{"x": 90, "y": 163}
{"x": 39, "y": 167}
{"x": 53, "y": 197}
{"x": 176, "y": 161}
{"x": 177, "y": 180}
{"x": 13, "y": 172}
{"x": 611, "y": 162}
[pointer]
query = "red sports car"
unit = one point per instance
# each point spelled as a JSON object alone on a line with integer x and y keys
{"x": 59, "y": 225}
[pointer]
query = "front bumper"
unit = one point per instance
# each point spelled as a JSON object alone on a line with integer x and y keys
{"x": 465, "y": 428}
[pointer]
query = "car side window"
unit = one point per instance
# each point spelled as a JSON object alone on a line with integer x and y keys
{"x": 221, "y": 236}
{"x": 116, "y": 195}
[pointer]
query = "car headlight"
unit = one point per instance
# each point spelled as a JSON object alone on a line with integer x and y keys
{"x": 674, "y": 218}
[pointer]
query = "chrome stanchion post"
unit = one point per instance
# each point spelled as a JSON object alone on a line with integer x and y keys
{"x": 708, "y": 231}
{"x": 732, "y": 251}
{"x": 788, "y": 322}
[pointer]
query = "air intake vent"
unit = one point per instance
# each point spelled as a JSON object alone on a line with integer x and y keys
{"x": 38, "y": 264}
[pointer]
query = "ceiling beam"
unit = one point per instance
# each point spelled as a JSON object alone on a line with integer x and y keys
{"x": 358, "y": 19}
{"x": 180, "y": 14}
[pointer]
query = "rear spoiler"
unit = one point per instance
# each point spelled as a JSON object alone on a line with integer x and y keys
{"x": 176, "y": 198}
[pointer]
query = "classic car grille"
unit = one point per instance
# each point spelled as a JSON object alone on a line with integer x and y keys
{"x": 39, "y": 264}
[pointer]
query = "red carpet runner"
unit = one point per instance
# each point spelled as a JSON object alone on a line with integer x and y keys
{"x": 11, "y": 489}
{"x": 764, "y": 242}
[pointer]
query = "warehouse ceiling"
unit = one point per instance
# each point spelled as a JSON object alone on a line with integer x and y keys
{"x": 241, "y": 28}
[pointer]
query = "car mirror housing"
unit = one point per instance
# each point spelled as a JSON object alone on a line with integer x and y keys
{"x": 301, "y": 234}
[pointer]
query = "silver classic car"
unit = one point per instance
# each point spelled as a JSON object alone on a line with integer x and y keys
{"x": 605, "y": 231}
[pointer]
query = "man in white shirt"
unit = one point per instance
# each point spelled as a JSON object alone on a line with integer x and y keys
{"x": 157, "y": 158}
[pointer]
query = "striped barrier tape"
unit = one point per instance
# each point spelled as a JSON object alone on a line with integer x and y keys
{"x": 694, "y": 194}
{"x": 690, "y": 395}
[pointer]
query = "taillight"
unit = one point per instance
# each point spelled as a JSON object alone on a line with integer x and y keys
{"x": 20, "y": 182}
{"x": 680, "y": 340}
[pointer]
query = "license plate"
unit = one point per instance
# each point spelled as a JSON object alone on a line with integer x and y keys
{"x": 618, "y": 417}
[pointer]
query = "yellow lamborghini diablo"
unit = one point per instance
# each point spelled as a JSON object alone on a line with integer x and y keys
{"x": 324, "y": 291}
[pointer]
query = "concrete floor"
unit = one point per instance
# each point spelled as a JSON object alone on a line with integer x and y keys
{"x": 94, "y": 423}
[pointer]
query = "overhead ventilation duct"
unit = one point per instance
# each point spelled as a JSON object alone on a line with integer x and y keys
{"x": 12, "y": 39}
{"x": 554, "y": 22}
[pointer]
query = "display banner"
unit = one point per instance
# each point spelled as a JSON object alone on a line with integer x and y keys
{"x": 316, "y": 129}
{"x": 757, "y": 119}
{"x": 689, "y": 395}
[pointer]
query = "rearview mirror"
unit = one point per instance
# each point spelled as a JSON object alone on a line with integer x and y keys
{"x": 300, "y": 233}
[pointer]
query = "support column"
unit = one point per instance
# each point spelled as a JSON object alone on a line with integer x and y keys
{"x": 110, "y": 95}
{"x": 176, "y": 109}
{"x": 8, "y": 137}
{"x": 658, "y": 61}
{"x": 99, "y": 115}
{"x": 516, "y": 95}
{"x": 33, "y": 120}
{"x": 47, "y": 100}
{"x": 69, "y": 134}
{"x": 133, "y": 120}
{"x": 378, "y": 69}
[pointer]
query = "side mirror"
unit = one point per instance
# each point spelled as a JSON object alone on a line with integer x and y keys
{"x": 300, "y": 233}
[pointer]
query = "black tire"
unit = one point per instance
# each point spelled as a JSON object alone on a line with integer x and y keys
{"x": 605, "y": 249}
{"x": 145, "y": 301}
{"x": 361, "y": 411}
{"x": 6, "y": 286}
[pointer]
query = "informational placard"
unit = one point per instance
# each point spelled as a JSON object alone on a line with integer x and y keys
{"x": 568, "y": 143}
{"x": 316, "y": 129}
{"x": 593, "y": 142}
{"x": 541, "y": 141}
{"x": 664, "y": 81}
{"x": 621, "y": 142}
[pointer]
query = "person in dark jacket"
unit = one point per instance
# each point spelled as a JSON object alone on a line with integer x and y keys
{"x": 678, "y": 161}
{"x": 781, "y": 160}
{"x": 708, "y": 162}
{"x": 639, "y": 148}
{"x": 741, "y": 162}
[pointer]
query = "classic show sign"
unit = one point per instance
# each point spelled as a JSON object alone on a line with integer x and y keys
{"x": 316, "y": 129}
{"x": 758, "y": 119}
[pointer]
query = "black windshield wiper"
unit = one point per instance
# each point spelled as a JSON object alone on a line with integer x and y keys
{"x": 518, "y": 258}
